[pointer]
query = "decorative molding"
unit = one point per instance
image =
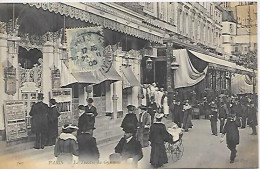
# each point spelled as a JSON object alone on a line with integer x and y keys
{"x": 2, "y": 27}
{"x": 37, "y": 42}
{"x": 13, "y": 27}
{"x": 31, "y": 75}
{"x": 86, "y": 16}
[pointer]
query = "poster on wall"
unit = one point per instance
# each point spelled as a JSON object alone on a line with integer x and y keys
{"x": 63, "y": 98}
{"x": 15, "y": 120}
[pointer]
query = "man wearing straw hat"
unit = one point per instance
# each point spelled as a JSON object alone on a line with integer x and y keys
{"x": 39, "y": 113}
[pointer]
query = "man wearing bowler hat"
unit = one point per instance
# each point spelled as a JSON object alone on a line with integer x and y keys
{"x": 130, "y": 118}
{"x": 39, "y": 113}
{"x": 129, "y": 147}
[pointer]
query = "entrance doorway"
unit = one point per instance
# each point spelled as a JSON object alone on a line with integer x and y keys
{"x": 161, "y": 73}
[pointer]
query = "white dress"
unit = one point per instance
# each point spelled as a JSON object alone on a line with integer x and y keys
{"x": 144, "y": 99}
{"x": 160, "y": 95}
{"x": 165, "y": 106}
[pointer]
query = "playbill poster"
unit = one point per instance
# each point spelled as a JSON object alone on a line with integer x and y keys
{"x": 128, "y": 85}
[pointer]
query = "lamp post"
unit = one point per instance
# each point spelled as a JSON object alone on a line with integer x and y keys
{"x": 172, "y": 65}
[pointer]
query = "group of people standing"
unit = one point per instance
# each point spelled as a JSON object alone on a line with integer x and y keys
{"x": 142, "y": 130}
{"x": 149, "y": 92}
{"x": 182, "y": 114}
{"x": 44, "y": 122}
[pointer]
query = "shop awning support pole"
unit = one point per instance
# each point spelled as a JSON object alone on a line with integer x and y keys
{"x": 114, "y": 98}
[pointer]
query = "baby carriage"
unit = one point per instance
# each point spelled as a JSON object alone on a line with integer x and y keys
{"x": 175, "y": 151}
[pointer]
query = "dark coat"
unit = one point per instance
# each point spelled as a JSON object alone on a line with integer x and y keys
{"x": 53, "y": 115}
{"x": 252, "y": 118}
{"x": 213, "y": 115}
{"x": 178, "y": 115}
{"x": 132, "y": 149}
{"x": 231, "y": 131}
{"x": 83, "y": 123}
{"x": 223, "y": 111}
{"x": 91, "y": 119}
{"x": 152, "y": 108}
{"x": 159, "y": 135}
{"x": 65, "y": 147}
{"x": 237, "y": 109}
{"x": 39, "y": 113}
{"x": 131, "y": 119}
{"x": 88, "y": 151}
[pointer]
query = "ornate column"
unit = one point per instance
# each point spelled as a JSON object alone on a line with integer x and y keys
{"x": 12, "y": 46}
{"x": 170, "y": 79}
{"x": 3, "y": 64}
{"x": 48, "y": 54}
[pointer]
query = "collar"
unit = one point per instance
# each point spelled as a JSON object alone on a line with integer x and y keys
{"x": 186, "y": 107}
{"x": 66, "y": 136}
{"x": 80, "y": 114}
{"x": 90, "y": 106}
{"x": 158, "y": 122}
{"x": 53, "y": 106}
{"x": 128, "y": 139}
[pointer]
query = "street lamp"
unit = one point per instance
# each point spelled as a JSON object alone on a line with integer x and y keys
{"x": 174, "y": 66}
{"x": 149, "y": 64}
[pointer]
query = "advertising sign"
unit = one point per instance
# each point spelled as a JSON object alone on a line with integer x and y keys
{"x": 15, "y": 120}
{"x": 63, "y": 98}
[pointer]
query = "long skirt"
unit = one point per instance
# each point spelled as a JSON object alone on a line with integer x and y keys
{"x": 158, "y": 155}
{"x": 143, "y": 136}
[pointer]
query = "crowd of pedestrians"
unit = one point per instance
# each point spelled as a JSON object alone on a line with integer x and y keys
{"x": 141, "y": 129}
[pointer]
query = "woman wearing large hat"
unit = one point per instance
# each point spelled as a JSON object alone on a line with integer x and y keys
{"x": 67, "y": 144}
{"x": 159, "y": 135}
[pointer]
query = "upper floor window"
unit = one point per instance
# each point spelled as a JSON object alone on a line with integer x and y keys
{"x": 231, "y": 28}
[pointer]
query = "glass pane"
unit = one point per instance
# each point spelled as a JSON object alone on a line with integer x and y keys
{"x": 25, "y": 96}
{"x": 33, "y": 96}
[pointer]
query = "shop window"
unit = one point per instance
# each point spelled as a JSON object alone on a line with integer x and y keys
{"x": 99, "y": 89}
{"x": 231, "y": 28}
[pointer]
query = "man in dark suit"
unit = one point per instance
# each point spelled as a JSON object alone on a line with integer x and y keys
{"x": 130, "y": 118}
{"x": 223, "y": 112}
{"x": 128, "y": 147}
{"x": 88, "y": 151}
{"x": 91, "y": 112}
{"x": 39, "y": 113}
{"x": 152, "y": 108}
{"x": 213, "y": 118}
{"x": 232, "y": 134}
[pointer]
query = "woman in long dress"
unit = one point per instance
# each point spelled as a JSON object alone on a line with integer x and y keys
{"x": 165, "y": 105}
{"x": 159, "y": 135}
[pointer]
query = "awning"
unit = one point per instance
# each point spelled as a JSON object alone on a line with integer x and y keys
{"x": 85, "y": 77}
{"x": 241, "y": 84}
{"x": 111, "y": 75}
{"x": 91, "y": 77}
{"x": 129, "y": 78}
{"x": 186, "y": 75}
{"x": 213, "y": 60}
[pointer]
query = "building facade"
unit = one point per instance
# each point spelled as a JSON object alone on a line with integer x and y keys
{"x": 35, "y": 49}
